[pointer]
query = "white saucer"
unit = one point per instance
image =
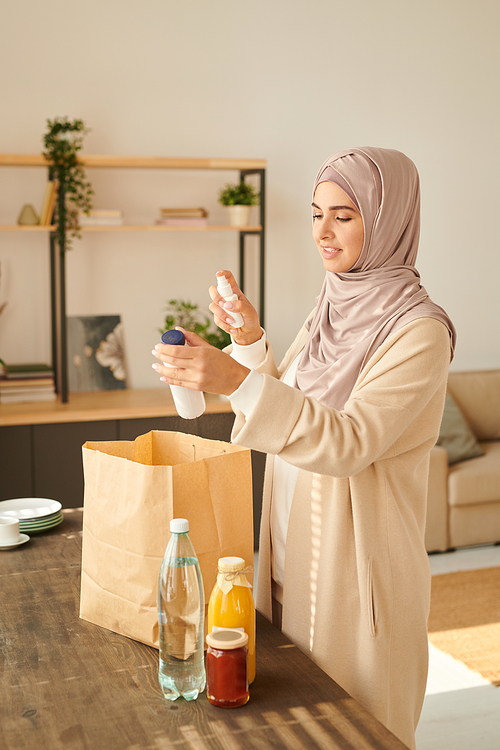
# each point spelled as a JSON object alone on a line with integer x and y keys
{"x": 23, "y": 538}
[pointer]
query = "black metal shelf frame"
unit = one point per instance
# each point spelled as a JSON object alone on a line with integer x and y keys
{"x": 58, "y": 287}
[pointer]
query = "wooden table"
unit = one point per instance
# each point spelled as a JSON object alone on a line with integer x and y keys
{"x": 70, "y": 685}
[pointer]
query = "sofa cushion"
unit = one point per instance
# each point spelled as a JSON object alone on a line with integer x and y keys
{"x": 477, "y": 481}
{"x": 455, "y": 434}
{"x": 474, "y": 524}
{"x": 477, "y": 395}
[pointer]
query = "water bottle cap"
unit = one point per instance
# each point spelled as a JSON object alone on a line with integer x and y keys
{"x": 231, "y": 564}
{"x": 226, "y": 639}
{"x": 179, "y": 526}
{"x": 173, "y": 337}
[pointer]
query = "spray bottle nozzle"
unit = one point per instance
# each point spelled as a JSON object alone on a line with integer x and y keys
{"x": 223, "y": 286}
{"x": 226, "y": 292}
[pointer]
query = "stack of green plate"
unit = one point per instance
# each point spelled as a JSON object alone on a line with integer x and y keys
{"x": 35, "y": 514}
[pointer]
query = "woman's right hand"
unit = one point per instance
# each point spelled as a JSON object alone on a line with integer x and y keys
{"x": 251, "y": 331}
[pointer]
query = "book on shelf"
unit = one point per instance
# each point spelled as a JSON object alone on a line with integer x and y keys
{"x": 25, "y": 383}
{"x": 33, "y": 370}
{"x": 26, "y": 396}
{"x": 99, "y": 217}
{"x": 183, "y": 217}
{"x": 26, "y": 390}
{"x": 48, "y": 204}
{"x": 183, "y": 221}
{"x": 200, "y": 213}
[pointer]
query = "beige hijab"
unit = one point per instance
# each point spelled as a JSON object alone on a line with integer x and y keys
{"x": 358, "y": 310}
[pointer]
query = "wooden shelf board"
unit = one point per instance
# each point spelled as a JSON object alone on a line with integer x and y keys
{"x": 163, "y": 228}
{"x": 22, "y": 160}
{"x": 99, "y": 406}
{"x": 136, "y": 162}
{"x": 25, "y": 228}
{"x": 136, "y": 228}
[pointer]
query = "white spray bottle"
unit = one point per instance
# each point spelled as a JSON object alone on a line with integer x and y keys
{"x": 225, "y": 291}
{"x": 189, "y": 404}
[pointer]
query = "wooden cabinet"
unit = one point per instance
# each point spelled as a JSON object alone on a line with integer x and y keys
{"x": 41, "y": 447}
{"x": 57, "y": 458}
{"x": 16, "y": 464}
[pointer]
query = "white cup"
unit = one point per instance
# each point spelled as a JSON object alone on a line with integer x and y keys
{"x": 9, "y": 531}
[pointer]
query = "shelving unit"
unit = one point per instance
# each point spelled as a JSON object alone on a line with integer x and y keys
{"x": 245, "y": 168}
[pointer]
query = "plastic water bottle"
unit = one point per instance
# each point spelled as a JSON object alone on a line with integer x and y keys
{"x": 181, "y": 610}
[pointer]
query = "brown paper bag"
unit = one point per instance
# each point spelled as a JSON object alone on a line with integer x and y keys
{"x": 132, "y": 491}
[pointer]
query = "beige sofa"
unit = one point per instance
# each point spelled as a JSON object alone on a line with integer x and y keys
{"x": 463, "y": 506}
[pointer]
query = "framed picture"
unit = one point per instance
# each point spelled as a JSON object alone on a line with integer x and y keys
{"x": 96, "y": 356}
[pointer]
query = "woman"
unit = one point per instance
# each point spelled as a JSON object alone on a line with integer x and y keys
{"x": 348, "y": 421}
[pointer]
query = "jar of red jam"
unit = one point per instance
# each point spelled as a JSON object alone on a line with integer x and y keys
{"x": 227, "y": 668}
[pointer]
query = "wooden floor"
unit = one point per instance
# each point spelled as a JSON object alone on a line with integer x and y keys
{"x": 461, "y": 709}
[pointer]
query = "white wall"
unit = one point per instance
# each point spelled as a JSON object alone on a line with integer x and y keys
{"x": 289, "y": 82}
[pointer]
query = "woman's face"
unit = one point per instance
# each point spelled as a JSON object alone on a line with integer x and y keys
{"x": 337, "y": 228}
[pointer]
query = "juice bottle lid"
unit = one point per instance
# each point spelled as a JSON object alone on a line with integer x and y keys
{"x": 231, "y": 564}
{"x": 227, "y": 638}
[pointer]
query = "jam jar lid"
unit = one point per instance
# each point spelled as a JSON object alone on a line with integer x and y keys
{"x": 227, "y": 638}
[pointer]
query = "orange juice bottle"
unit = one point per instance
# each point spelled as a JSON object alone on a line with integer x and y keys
{"x": 231, "y": 604}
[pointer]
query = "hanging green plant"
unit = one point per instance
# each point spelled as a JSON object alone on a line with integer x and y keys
{"x": 187, "y": 316}
{"x": 62, "y": 142}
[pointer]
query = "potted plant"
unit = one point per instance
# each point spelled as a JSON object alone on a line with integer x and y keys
{"x": 186, "y": 315}
{"x": 239, "y": 198}
{"x": 62, "y": 142}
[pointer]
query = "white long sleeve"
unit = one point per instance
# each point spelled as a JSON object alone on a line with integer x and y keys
{"x": 246, "y": 396}
{"x": 285, "y": 475}
{"x": 253, "y": 354}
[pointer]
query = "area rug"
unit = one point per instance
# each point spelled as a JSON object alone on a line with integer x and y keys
{"x": 465, "y": 619}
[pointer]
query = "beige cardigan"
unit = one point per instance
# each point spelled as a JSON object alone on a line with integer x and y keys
{"x": 357, "y": 582}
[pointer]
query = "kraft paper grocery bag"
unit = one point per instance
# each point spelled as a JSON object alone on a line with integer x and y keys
{"x": 132, "y": 491}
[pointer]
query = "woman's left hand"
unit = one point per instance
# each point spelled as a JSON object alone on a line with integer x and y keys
{"x": 199, "y": 366}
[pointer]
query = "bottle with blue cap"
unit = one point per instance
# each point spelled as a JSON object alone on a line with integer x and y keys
{"x": 189, "y": 403}
{"x": 181, "y": 613}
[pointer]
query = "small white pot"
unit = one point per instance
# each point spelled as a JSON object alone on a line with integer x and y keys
{"x": 239, "y": 216}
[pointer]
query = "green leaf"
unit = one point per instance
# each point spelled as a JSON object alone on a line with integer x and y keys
{"x": 186, "y": 314}
{"x": 241, "y": 194}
